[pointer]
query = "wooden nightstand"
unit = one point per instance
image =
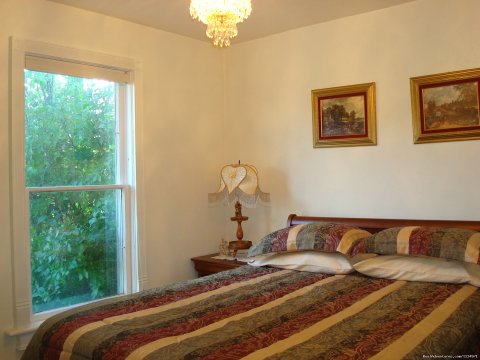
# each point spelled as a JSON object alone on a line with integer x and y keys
{"x": 206, "y": 265}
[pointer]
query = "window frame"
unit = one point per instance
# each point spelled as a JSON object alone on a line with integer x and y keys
{"x": 134, "y": 260}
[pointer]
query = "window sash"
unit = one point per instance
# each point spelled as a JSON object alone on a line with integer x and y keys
{"x": 76, "y": 188}
{"x": 114, "y": 110}
{"x": 123, "y": 247}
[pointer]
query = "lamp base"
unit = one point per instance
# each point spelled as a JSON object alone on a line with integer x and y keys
{"x": 239, "y": 245}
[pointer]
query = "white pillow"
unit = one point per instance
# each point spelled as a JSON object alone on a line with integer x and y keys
{"x": 474, "y": 272}
{"x": 414, "y": 269}
{"x": 312, "y": 261}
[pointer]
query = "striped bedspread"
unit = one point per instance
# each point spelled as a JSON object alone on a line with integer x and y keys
{"x": 266, "y": 313}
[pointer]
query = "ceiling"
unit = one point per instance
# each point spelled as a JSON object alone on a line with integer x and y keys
{"x": 268, "y": 16}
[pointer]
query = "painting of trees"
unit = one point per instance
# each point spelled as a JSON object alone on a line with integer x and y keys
{"x": 451, "y": 106}
{"x": 343, "y": 116}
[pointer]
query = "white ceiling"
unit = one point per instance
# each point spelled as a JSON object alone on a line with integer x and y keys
{"x": 268, "y": 16}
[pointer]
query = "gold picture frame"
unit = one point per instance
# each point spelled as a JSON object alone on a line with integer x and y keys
{"x": 445, "y": 107}
{"x": 344, "y": 116}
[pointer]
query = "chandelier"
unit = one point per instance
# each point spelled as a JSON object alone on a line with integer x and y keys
{"x": 221, "y": 17}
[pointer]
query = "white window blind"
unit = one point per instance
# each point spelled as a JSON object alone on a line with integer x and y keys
{"x": 63, "y": 67}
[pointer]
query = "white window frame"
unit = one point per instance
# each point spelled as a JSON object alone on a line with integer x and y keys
{"x": 134, "y": 260}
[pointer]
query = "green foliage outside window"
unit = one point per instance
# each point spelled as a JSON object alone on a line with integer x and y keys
{"x": 71, "y": 141}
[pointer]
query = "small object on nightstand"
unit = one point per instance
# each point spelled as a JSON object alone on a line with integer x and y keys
{"x": 241, "y": 255}
{"x": 224, "y": 248}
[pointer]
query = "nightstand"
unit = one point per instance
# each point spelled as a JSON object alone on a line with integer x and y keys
{"x": 206, "y": 265}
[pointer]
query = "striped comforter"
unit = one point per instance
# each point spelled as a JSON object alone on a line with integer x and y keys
{"x": 267, "y": 313}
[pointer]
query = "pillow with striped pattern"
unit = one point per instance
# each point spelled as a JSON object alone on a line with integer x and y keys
{"x": 446, "y": 243}
{"x": 318, "y": 236}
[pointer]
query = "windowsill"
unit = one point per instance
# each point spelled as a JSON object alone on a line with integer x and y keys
{"x": 23, "y": 334}
{"x": 24, "y": 330}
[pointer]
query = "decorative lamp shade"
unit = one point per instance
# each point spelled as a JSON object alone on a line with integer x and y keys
{"x": 239, "y": 182}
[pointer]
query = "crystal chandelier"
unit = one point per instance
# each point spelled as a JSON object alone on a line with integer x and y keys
{"x": 221, "y": 17}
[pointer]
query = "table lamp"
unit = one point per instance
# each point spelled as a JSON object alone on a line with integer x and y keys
{"x": 239, "y": 185}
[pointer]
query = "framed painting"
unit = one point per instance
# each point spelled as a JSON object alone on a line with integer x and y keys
{"x": 344, "y": 116}
{"x": 445, "y": 107}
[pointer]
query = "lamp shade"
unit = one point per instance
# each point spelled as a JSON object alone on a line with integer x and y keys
{"x": 239, "y": 182}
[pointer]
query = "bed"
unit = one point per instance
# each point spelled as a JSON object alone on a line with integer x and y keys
{"x": 410, "y": 294}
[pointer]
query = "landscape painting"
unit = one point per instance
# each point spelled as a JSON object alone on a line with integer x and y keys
{"x": 451, "y": 106}
{"x": 445, "y": 107}
{"x": 344, "y": 116}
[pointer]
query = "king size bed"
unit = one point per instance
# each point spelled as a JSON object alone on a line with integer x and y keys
{"x": 321, "y": 288}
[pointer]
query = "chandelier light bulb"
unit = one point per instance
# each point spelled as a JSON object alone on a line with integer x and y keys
{"x": 221, "y": 17}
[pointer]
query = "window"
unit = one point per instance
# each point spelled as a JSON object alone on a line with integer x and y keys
{"x": 76, "y": 242}
{"x": 74, "y": 180}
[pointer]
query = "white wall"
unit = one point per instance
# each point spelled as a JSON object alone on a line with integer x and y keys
{"x": 182, "y": 116}
{"x": 269, "y": 122}
{"x": 186, "y": 136}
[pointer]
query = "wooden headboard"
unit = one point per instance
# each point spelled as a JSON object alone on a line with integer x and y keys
{"x": 375, "y": 225}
